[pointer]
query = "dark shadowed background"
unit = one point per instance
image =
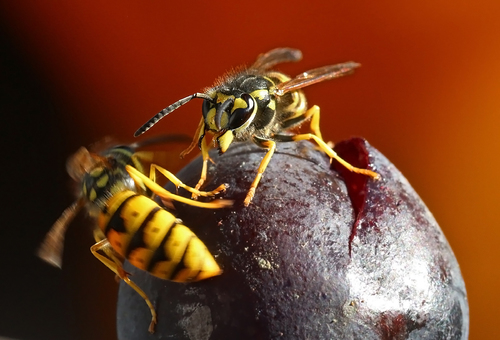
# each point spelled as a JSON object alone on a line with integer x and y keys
{"x": 427, "y": 96}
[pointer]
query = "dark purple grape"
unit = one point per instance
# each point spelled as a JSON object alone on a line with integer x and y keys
{"x": 318, "y": 254}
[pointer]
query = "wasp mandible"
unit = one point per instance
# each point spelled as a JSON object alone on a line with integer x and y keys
{"x": 260, "y": 105}
{"x": 115, "y": 190}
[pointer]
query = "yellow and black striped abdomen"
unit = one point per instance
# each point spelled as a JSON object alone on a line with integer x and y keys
{"x": 151, "y": 239}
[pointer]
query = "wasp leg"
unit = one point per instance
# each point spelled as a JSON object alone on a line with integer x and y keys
{"x": 112, "y": 263}
{"x": 139, "y": 156}
{"x": 204, "y": 152}
{"x": 143, "y": 180}
{"x": 313, "y": 113}
{"x": 99, "y": 236}
{"x": 178, "y": 184}
{"x": 271, "y": 147}
{"x": 328, "y": 150}
{"x": 197, "y": 135}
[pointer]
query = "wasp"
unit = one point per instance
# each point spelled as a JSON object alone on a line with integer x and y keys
{"x": 261, "y": 105}
{"x": 130, "y": 224}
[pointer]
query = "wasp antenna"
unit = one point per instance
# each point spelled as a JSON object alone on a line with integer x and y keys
{"x": 149, "y": 124}
{"x": 222, "y": 108}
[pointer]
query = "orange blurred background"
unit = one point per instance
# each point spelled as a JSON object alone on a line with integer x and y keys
{"x": 427, "y": 96}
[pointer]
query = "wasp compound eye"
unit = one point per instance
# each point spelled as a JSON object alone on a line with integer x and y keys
{"x": 243, "y": 113}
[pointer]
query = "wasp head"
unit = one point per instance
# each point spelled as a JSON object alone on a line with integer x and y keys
{"x": 226, "y": 115}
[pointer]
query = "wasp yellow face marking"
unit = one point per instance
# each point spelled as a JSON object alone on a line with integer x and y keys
{"x": 209, "y": 120}
{"x": 224, "y": 119}
{"x": 225, "y": 140}
{"x": 221, "y": 98}
{"x": 239, "y": 104}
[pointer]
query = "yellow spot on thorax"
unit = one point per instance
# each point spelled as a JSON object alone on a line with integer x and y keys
{"x": 102, "y": 181}
{"x": 92, "y": 195}
{"x": 260, "y": 94}
{"x": 272, "y": 104}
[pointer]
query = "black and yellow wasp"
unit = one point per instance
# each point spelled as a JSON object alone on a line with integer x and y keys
{"x": 130, "y": 225}
{"x": 260, "y": 104}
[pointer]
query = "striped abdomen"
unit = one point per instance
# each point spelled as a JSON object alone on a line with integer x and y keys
{"x": 152, "y": 239}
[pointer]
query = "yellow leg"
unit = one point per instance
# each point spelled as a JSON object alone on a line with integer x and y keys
{"x": 112, "y": 263}
{"x": 271, "y": 147}
{"x": 178, "y": 184}
{"x": 141, "y": 156}
{"x": 98, "y": 235}
{"x": 332, "y": 154}
{"x": 204, "y": 152}
{"x": 142, "y": 179}
{"x": 197, "y": 135}
{"x": 313, "y": 112}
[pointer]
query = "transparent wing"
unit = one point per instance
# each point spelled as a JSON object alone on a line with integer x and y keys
{"x": 316, "y": 75}
{"x": 277, "y": 56}
{"x": 51, "y": 249}
{"x": 81, "y": 163}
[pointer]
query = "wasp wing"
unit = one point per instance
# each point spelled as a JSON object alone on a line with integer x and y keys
{"x": 82, "y": 162}
{"x": 51, "y": 249}
{"x": 316, "y": 75}
{"x": 277, "y": 56}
